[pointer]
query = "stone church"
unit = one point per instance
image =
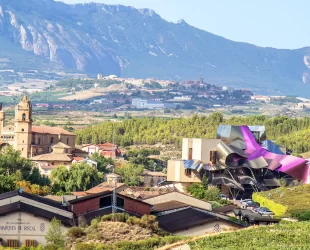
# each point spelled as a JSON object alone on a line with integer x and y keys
{"x": 42, "y": 144}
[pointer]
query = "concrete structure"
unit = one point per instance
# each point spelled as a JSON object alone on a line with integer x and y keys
{"x": 182, "y": 98}
{"x": 113, "y": 177}
{"x": 176, "y": 172}
{"x": 146, "y": 104}
{"x": 192, "y": 148}
{"x": 198, "y": 149}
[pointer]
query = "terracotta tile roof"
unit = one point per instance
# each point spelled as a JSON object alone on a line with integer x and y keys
{"x": 79, "y": 193}
{"x": 145, "y": 193}
{"x": 52, "y": 157}
{"x": 102, "y": 187}
{"x": 61, "y": 145}
{"x": 50, "y": 130}
{"x": 169, "y": 205}
{"x": 78, "y": 158}
{"x": 107, "y": 144}
{"x": 54, "y": 197}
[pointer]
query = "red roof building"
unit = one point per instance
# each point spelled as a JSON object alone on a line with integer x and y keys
{"x": 108, "y": 150}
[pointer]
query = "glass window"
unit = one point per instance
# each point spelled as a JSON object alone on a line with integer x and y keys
{"x": 120, "y": 202}
{"x": 105, "y": 201}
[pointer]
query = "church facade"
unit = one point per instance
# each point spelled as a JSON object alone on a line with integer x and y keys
{"x": 31, "y": 140}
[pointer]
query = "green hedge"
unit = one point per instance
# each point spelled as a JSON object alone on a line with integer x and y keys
{"x": 278, "y": 209}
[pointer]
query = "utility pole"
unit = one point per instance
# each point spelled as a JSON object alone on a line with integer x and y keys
{"x": 114, "y": 199}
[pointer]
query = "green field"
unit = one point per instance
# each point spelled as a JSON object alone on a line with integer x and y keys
{"x": 286, "y": 235}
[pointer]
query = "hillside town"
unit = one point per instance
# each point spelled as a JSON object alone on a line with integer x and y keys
{"x": 154, "y": 125}
{"x": 233, "y": 166}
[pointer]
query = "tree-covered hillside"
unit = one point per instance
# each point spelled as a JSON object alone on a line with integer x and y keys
{"x": 289, "y": 132}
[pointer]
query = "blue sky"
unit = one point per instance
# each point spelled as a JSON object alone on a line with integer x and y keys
{"x": 268, "y": 23}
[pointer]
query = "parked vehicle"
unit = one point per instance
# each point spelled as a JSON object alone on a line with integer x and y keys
{"x": 265, "y": 211}
{"x": 223, "y": 196}
{"x": 255, "y": 209}
{"x": 251, "y": 204}
{"x": 243, "y": 202}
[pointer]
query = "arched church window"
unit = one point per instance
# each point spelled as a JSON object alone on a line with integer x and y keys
{"x": 52, "y": 140}
{"x": 24, "y": 117}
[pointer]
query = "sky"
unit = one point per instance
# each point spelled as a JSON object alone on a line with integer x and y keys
{"x": 267, "y": 23}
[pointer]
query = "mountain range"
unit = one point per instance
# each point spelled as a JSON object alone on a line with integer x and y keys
{"x": 46, "y": 35}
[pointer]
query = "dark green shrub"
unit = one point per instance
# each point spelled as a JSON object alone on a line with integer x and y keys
{"x": 301, "y": 215}
{"x": 51, "y": 247}
{"x": 85, "y": 246}
{"x": 224, "y": 202}
{"x": 75, "y": 232}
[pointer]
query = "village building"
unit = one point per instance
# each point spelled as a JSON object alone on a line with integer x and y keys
{"x": 190, "y": 221}
{"x": 42, "y": 144}
{"x": 86, "y": 160}
{"x": 151, "y": 179}
{"x": 25, "y": 218}
{"x": 107, "y": 150}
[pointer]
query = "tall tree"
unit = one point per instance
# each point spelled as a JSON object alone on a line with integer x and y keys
{"x": 55, "y": 234}
{"x": 131, "y": 174}
{"x": 79, "y": 177}
{"x": 102, "y": 162}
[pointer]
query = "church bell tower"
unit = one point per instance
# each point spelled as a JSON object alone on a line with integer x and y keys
{"x": 23, "y": 126}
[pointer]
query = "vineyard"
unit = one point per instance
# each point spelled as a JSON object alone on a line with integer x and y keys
{"x": 286, "y": 235}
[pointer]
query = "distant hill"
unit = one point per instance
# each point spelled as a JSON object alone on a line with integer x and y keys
{"x": 114, "y": 39}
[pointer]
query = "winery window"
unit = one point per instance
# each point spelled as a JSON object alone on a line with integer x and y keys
{"x": 120, "y": 202}
{"x": 190, "y": 153}
{"x": 105, "y": 202}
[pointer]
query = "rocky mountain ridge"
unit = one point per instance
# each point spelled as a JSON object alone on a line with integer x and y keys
{"x": 115, "y": 39}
